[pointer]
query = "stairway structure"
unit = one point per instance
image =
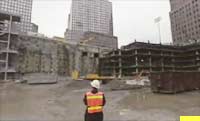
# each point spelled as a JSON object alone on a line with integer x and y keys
{"x": 8, "y": 33}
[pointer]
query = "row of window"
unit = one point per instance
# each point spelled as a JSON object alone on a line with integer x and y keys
{"x": 90, "y": 11}
{"x": 194, "y": 9}
{"x": 93, "y": 30}
{"x": 92, "y": 27}
{"x": 92, "y": 19}
{"x": 186, "y": 35}
{"x": 17, "y": 4}
{"x": 186, "y": 28}
{"x": 17, "y": 9}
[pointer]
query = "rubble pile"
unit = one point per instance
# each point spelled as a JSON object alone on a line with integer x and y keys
{"x": 128, "y": 84}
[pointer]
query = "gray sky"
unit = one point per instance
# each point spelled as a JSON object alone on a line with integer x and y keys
{"x": 133, "y": 19}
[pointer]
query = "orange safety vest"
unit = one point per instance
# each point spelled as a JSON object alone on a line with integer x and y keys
{"x": 94, "y": 102}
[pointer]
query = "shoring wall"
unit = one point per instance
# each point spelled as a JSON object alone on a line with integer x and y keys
{"x": 44, "y": 55}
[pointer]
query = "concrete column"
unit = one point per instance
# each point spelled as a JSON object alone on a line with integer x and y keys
{"x": 120, "y": 64}
{"x": 114, "y": 72}
{"x": 173, "y": 62}
{"x": 197, "y": 52}
{"x": 136, "y": 61}
{"x": 197, "y": 58}
{"x": 162, "y": 62}
{"x": 150, "y": 61}
{"x": 136, "y": 52}
{"x": 113, "y": 65}
{"x": 7, "y": 49}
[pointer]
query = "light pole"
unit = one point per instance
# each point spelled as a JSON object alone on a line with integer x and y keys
{"x": 157, "y": 21}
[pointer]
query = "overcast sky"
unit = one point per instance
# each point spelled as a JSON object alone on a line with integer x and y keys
{"x": 133, "y": 19}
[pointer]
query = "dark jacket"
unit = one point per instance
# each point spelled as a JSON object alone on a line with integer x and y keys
{"x": 94, "y": 116}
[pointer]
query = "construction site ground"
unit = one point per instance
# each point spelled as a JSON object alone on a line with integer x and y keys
{"x": 64, "y": 102}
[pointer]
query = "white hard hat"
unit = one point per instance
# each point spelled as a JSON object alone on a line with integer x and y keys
{"x": 95, "y": 84}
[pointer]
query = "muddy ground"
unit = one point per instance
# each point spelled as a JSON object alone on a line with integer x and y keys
{"x": 63, "y": 102}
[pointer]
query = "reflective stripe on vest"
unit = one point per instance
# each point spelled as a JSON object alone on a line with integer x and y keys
{"x": 94, "y": 102}
{"x": 95, "y": 109}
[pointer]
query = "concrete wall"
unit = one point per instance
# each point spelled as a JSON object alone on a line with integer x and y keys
{"x": 92, "y": 38}
{"x": 50, "y": 56}
{"x": 101, "y": 40}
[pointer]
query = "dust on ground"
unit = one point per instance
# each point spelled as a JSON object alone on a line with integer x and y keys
{"x": 64, "y": 102}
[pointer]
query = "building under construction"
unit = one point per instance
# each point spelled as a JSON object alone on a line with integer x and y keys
{"x": 138, "y": 56}
{"x": 8, "y": 34}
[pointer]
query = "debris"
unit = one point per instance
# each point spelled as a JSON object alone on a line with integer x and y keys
{"x": 126, "y": 88}
{"x": 41, "y": 78}
{"x": 124, "y": 111}
{"x": 142, "y": 82}
{"x": 121, "y": 85}
{"x": 20, "y": 81}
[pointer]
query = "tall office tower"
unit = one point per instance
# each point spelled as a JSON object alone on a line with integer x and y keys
{"x": 21, "y": 7}
{"x": 91, "y": 15}
{"x": 91, "y": 19}
{"x": 185, "y": 21}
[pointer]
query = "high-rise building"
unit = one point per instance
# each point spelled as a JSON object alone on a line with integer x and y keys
{"x": 91, "y": 15}
{"x": 34, "y": 27}
{"x": 185, "y": 21}
{"x": 91, "y": 19}
{"x": 21, "y": 7}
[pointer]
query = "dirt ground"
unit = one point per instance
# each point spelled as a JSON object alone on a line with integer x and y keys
{"x": 63, "y": 102}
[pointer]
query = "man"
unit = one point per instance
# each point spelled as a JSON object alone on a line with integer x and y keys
{"x": 94, "y": 100}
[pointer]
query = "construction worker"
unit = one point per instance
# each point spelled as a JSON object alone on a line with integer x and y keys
{"x": 94, "y": 100}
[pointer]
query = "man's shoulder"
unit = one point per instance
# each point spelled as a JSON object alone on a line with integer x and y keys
{"x": 90, "y": 93}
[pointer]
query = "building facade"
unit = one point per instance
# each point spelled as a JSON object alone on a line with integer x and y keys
{"x": 73, "y": 36}
{"x": 21, "y": 7}
{"x": 185, "y": 21}
{"x": 140, "y": 57}
{"x": 89, "y": 18}
{"x": 100, "y": 40}
{"x": 91, "y": 15}
{"x": 34, "y": 27}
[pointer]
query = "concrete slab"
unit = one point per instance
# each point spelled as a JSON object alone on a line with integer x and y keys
{"x": 41, "y": 78}
{"x": 42, "y": 82}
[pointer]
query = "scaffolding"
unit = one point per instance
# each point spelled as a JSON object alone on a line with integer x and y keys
{"x": 8, "y": 32}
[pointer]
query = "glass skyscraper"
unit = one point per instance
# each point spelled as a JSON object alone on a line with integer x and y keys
{"x": 20, "y": 7}
{"x": 92, "y": 16}
{"x": 185, "y": 21}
